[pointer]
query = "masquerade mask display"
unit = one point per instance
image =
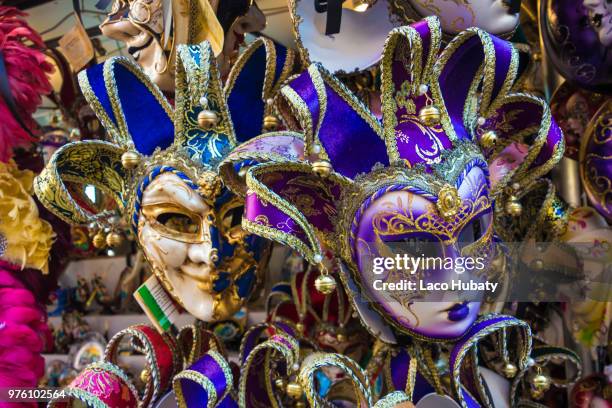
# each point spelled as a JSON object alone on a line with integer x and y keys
{"x": 496, "y": 17}
{"x": 578, "y": 40}
{"x": 354, "y": 46}
{"x": 160, "y": 168}
{"x": 421, "y": 177}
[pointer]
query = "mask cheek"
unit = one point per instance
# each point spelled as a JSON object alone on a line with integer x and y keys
{"x": 166, "y": 252}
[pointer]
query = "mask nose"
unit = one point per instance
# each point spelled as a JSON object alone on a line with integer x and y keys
{"x": 201, "y": 253}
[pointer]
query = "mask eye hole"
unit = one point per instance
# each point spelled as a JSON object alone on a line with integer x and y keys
{"x": 233, "y": 217}
{"x": 474, "y": 230}
{"x": 177, "y": 222}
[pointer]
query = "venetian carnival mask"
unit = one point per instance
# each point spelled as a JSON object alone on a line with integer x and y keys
{"x": 152, "y": 30}
{"x": 578, "y": 40}
{"x": 420, "y": 179}
{"x": 499, "y": 17}
{"x": 161, "y": 170}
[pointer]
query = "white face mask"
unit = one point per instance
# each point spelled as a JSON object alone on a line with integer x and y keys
{"x": 492, "y": 16}
{"x": 174, "y": 232}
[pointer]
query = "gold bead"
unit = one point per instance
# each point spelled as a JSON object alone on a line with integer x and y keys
{"x": 300, "y": 328}
{"x": 322, "y": 168}
{"x": 130, "y": 159}
{"x": 114, "y": 239}
{"x": 300, "y": 404}
{"x": 207, "y": 119}
{"x": 99, "y": 240}
{"x": 510, "y": 370}
{"x": 537, "y": 264}
{"x": 325, "y": 284}
{"x": 429, "y": 115}
{"x": 514, "y": 207}
{"x": 271, "y": 123}
{"x": 280, "y": 383}
{"x": 294, "y": 390}
{"x": 145, "y": 375}
{"x": 488, "y": 139}
{"x": 341, "y": 337}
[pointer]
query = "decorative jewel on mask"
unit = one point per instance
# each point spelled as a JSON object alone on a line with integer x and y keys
{"x": 209, "y": 185}
{"x": 448, "y": 201}
{"x": 114, "y": 239}
{"x": 513, "y": 206}
{"x": 130, "y": 159}
{"x": 99, "y": 240}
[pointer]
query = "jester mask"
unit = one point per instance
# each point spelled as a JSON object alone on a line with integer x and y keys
{"x": 160, "y": 168}
{"x": 421, "y": 179}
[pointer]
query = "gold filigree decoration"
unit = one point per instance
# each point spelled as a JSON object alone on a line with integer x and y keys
{"x": 448, "y": 201}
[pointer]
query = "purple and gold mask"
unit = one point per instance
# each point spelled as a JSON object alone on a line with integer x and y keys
{"x": 419, "y": 178}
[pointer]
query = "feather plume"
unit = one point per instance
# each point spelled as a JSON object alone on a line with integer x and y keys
{"x": 27, "y": 72}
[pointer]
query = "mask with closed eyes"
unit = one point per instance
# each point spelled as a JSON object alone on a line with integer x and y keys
{"x": 420, "y": 179}
{"x": 161, "y": 169}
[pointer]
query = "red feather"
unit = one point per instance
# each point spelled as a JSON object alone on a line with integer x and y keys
{"x": 27, "y": 72}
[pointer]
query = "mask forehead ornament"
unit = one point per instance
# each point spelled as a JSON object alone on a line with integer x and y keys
{"x": 422, "y": 175}
{"x": 160, "y": 167}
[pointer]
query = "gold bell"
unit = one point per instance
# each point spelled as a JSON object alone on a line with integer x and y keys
{"x": 130, "y": 159}
{"x": 514, "y": 207}
{"x": 341, "y": 337}
{"x": 294, "y": 390}
{"x": 99, "y": 240}
{"x": 145, "y": 375}
{"x": 207, "y": 119}
{"x": 300, "y": 327}
{"x": 114, "y": 239}
{"x": 429, "y": 115}
{"x": 541, "y": 382}
{"x": 322, "y": 168}
{"x": 270, "y": 123}
{"x": 280, "y": 383}
{"x": 325, "y": 284}
{"x": 488, "y": 139}
{"x": 510, "y": 370}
